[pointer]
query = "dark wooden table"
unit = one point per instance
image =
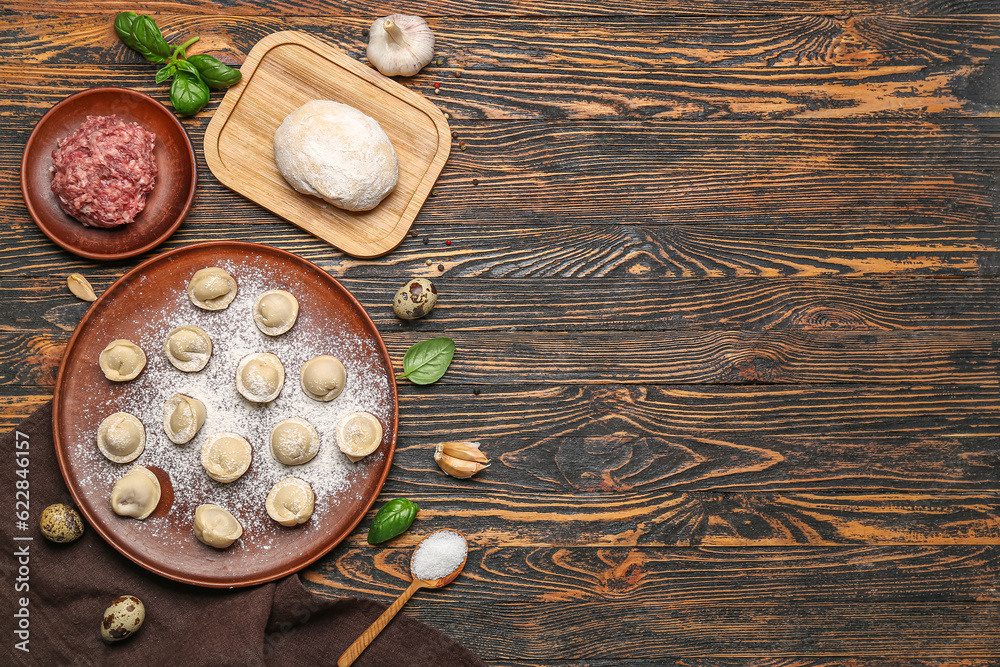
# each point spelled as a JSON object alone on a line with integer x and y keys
{"x": 723, "y": 279}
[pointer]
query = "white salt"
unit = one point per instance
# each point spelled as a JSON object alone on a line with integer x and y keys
{"x": 439, "y": 555}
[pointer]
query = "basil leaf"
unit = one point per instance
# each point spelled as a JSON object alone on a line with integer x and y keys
{"x": 185, "y": 66}
{"x": 392, "y": 520}
{"x": 123, "y": 27}
{"x": 426, "y": 361}
{"x": 214, "y": 72}
{"x": 188, "y": 94}
{"x": 165, "y": 73}
{"x": 149, "y": 40}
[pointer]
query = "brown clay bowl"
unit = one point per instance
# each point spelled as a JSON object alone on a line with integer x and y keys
{"x": 142, "y": 306}
{"x": 166, "y": 204}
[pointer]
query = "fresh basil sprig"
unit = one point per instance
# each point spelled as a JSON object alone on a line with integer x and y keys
{"x": 192, "y": 76}
{"x": 214, "y": 72}
{"x": 425, "y": 362}
{"x": 392, "y": 520}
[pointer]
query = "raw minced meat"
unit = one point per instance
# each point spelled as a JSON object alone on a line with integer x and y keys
{"x": 103, "y": 171}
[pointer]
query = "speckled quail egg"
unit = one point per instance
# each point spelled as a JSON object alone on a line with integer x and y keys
{"x": 123, "y": 618}
{"x": 61, "y": 523}
{"x": 415, "y": 299}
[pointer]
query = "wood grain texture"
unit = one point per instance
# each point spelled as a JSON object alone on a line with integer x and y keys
{"x": 265, "y": 8}
{"x": 788, "y": 67}
{"x": 654, "y": 358}
{"x": 646, "y": 604}
{"x": 723, "y": 281}
{"x": 42, "y": 304}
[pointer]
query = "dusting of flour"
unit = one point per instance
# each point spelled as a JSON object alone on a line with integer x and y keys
{"x": 234, "y": 336}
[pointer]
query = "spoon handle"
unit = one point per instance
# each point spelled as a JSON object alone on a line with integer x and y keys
{"x": 366, "y": 638}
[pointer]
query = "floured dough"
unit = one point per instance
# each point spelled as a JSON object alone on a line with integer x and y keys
{"x": 335, "y": 152}
{"x": 290, "y": 501}
{"x": 122, "y": 360}
{"x": 182, "y": 417}
{"x": 226, "y": 456}
{"x": 215, "y": 526}
{"x": 260, "y": 377}
{"x": 212, "y": 288}
{"x": 136, "y": 494}
{"x": 188, "y": 348}
{"x": 275, "y": 311}
{"x": 358, "y": 435}
{"x": 323, "y": 378}
{"x": 121, "y": 437}
{"x": 294, "y": 441}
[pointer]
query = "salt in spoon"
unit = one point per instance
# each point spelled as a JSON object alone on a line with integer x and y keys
{"x": 369, "y": 635}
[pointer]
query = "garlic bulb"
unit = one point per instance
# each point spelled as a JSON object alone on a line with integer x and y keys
{"x": 400, "y": 44}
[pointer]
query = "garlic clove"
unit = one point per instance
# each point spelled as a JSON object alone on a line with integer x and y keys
{"x": 400, "y": 44}
{"x": 457, "y": 467}
{"x": 468, "y": 451}
{"x": 80, "y": 287}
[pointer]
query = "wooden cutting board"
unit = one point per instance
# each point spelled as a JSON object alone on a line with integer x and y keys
{"x": 284, "y": 71}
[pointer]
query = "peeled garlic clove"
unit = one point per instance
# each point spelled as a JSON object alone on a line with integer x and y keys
{"x": 80, "y": 287}
{"x": 469, "y": 451}
{"x": 400, "y": 44}
{"x": 457, "y": 467}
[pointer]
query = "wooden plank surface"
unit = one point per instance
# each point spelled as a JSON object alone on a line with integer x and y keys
{"x": 724, "y": 286}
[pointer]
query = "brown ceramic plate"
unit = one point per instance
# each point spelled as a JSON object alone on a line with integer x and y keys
{"x": 143, "y": 306}
{"x": 166, "y": 204}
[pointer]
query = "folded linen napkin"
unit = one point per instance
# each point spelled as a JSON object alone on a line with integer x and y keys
{"x": 56, "y": 595}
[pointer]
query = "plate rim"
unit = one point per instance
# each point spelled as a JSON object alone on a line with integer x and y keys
{"x": 59, "y": 241}
{"x": 109, "y": 539}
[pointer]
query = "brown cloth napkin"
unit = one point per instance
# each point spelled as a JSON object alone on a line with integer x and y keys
{"x": 67, "y": 587}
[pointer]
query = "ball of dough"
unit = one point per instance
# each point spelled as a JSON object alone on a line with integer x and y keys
{"x": 335, "y": 152}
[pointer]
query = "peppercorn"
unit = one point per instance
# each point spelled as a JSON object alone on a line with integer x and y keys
{"x": 440, "y": 267}
{"x": 475, "y": 181}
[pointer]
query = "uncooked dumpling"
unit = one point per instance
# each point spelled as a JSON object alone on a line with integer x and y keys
{"x": 182, "y": 417}
{"x": 260, "y": 377}
{"x": 226, "y": 456}
{"x": 188, "y": 348}
{"x": 121, "y": 437}
{"x": 323, "y": 378}
{"x": 290, "y": 502}
{"x": 212, "y": 288}
{"x": 294, "y": 441}
{"x": 358, "y": 435}
{"x": 136, "y": 494}
{"x": 215, "y": 526}
{"x": 122, "y": 360}
{"x": 275, "y": 312}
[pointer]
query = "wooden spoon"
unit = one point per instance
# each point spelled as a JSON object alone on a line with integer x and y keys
{"x": 369, "y": 635}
